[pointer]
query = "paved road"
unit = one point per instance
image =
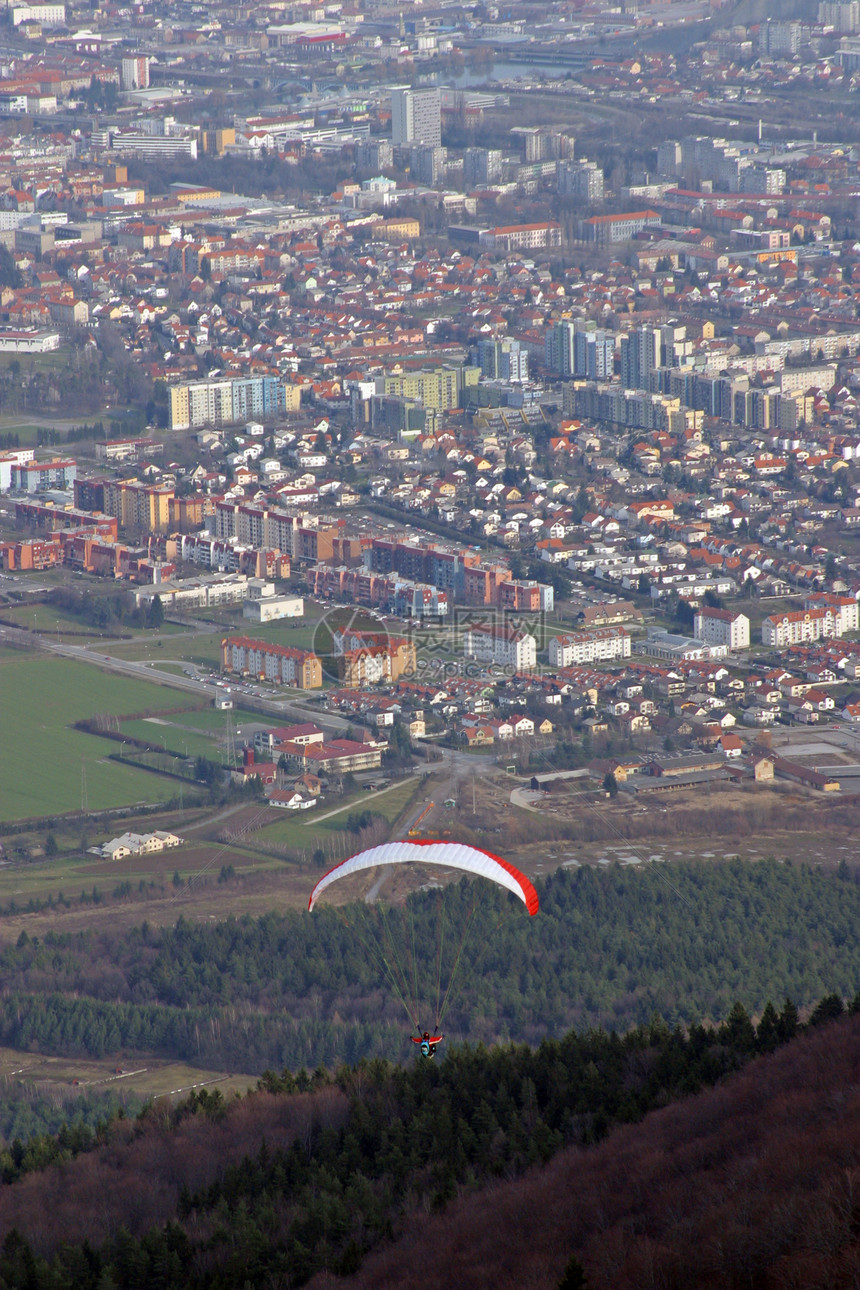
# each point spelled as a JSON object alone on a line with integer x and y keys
{"x": 191, "y": 681}
{"x": 526, "y": 798}
{"x": 369, "y": 797}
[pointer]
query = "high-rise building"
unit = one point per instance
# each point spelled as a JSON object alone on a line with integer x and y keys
{"x": 416, "y": 117}
{"x": 559, "y": 348}
{"x": 844, "y": 15}
{"x": 374, "y": 154}
{"x": 779, "y": 39}
{"x": 641, "y": 354}
{"x": 481, "y": 165}
{"x": 134, "y": 74}
{"x": 225, "y": 402}
{"x": 594, "y": 353}
{"x": 669, "y": 158}
{"x": 582, "y": 180}
{"x": 427, "y": 164}
{"x": 505, "y": 360}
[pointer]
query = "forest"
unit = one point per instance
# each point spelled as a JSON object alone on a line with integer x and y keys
{"x": 310, "y": 1173}
{"x": 610, "y": 947}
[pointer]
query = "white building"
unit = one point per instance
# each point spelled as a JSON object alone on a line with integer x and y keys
{"x": 722, "y": 627}
{"x": 136, "y": 844}
{"x": 506, "y": 647}
{"x": 844, "y": 608}
{"x": 195, "y": 593}
{"x": 270, "y": 608}
{"x": 803, "y": 625}
{"x": 674, "y": 648}
{"x": 589, "y": 647}
{"x": 49, "y": 15}
{"x": 134, "y": 74}
{"x": 28, "y": 341}
{"x": 416, "y": 117}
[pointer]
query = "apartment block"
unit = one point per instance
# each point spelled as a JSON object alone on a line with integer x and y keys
{"x": 194, "y": 404}
{"x": 503, "y": 646}
{"x": 580, "y": 648}
{"x": 779, "y": 630}
{"x": 722, "y": 627}
{"x": 278, "y": 663}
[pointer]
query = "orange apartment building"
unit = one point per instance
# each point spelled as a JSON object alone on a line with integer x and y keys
{"x": 373, "y": 658}
{"x": 279, "y": 663}
{"x": 31, "y": 554}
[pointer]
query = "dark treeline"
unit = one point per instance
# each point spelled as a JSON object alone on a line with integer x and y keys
{"x": 108, "y": 610}
{"x": 38, "y": 1130}
{"x": 311, "y": 1173}
{"x": 610, "y": 947}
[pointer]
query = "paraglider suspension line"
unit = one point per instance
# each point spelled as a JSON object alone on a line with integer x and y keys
{"x": 372, "y": 944}
{"x": 403, "y": 988}
{"x": 441, "y": 919}
{"x": 441, "y": 1010}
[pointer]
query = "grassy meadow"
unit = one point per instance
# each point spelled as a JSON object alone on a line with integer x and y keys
{"x": 42, "y": 758}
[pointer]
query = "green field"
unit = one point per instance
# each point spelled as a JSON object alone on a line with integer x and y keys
{"x": 41, "y": 617}
{"x": 43, "y": 761}
{"x": 169, "y": 734}
{"x": 27, "y": 432}
{"x": 192, "y": 647}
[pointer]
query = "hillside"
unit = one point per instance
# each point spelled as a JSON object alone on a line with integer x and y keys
{"x": 611, "y": 947}
{"x": 316, "y": 1180}
{"x": 753, "y": 1183}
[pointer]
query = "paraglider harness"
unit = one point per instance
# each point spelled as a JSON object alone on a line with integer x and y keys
{"x": 428, "y": 1043}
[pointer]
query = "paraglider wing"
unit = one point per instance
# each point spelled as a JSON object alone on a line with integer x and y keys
{"x": 450, "y": 855}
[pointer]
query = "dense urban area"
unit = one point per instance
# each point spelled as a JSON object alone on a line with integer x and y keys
{"x": 433, "y": 423}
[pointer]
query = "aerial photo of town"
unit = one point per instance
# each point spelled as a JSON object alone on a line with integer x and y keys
{"x": 430, "y": 645}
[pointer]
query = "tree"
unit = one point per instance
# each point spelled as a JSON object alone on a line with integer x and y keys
{"x": 399, "y": 744}
{"x": 739, "y": 1030}
{"x": 574, "y": 1277}
{"x": 767, "y": 1031}
{"x": 155, "y": 617}
{"x": 610, "y": 784}
{"x": 9, "y": 277}
{"x": 684, "y": 615}
{"x": 51, "y": 847}
{"x": 829, "y": 1008}
{"x": 788, "y": 1021}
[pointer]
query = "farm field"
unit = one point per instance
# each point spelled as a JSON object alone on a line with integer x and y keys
{"x": 42, "y": 758}
{"x": 127, "y": 890}
{"x": 71, "y": 1077}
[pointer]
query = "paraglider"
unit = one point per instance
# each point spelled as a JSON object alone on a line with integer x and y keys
{"x": 451, "y": 855}
{"x": 428, "y": 1043}
{"x": 403, "y": 975}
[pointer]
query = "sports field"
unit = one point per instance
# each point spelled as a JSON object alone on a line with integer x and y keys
{"x": 45, "y": 765}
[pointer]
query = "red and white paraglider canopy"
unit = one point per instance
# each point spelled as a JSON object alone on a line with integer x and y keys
{"x": 449, "y": 855}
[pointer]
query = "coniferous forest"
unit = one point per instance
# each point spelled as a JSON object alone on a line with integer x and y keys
{"x": 566, "y": 1032}
{"x": 311, "y": 1173}
{"x": 610, "y": 947}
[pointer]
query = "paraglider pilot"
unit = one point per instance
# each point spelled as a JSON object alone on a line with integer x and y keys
{"x": 428, "y": 1043}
